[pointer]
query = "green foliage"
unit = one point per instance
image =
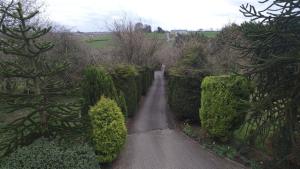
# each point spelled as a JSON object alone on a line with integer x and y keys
{"x": 183, "y": 93}
{"x": 108, "y": 129}
{"x": 43, "y": 154}
{"x": 122, "y": 103}
{"x": 224, "y": 150}
{"x": 147, "y": 76}
{"x": 224, "y": 104}
{"x": 124, "y": 77}
{"x": 273, "y": 50}
{"x": 35, "y": 82}
{"x": 188, "y": 130}
{"x": 96, "y": 83}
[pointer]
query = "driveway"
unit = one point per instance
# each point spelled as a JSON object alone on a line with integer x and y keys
{"x": 154, "y": 143}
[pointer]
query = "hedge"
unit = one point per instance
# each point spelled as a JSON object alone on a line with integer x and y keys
{"x": 97, "y": 82}
{"x": 224, "y": 104}
{"x": 124, "y": 77}
{"x": 147, "y": 77}
{"x": 51, "y": 155}
{"x": 184, "y": 93}
{"x": 108, "y": 129}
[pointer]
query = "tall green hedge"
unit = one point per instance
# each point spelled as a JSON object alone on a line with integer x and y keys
{"x": 184, "y": 93}
{"x": 146, "y": 78}
{"x": 124, "y": 77}
{"x": 97, "y": 82}
{"x": 108, "y": 129}
{"x": 224, "y": 104}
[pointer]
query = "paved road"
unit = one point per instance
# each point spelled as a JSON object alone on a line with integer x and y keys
{"x": 153, "y": 143}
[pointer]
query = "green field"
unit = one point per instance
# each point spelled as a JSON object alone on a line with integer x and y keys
{"x": 210, "y": 34}
{"x": 105, "y": 40}
{"x": 100, "y": 41}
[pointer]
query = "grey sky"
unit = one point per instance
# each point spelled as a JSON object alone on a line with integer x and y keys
{"x": 93, "y": 15}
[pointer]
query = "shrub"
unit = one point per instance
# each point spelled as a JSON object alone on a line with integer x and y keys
{"x": 184, "y": 93}
{"x": 51, "y": 155}
{"x": 124, "y": 77}
{"x": 108, "y": 129}
{"x": 96, "y": 82}
{"x": 122, "y": 103}
{"x": 224, "y": 104}
{"x": 147, "y": 76}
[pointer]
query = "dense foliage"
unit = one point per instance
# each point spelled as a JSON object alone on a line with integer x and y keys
{"x": 51, "y": 155}
{"x": 224, "y": 102}
{"x": 96, "y": 82}
{"x": 184, "y": 93}
{"x": 34, "y": 94}
{"x": 124, "y": 77}
{"x": 108, "y": 129}
{"x": 274, "y": 52}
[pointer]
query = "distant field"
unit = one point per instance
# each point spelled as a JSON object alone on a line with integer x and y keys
{"x": 100, "y": 41}
{"x": 105, "y": 40}
{"x": 210, "y": 34}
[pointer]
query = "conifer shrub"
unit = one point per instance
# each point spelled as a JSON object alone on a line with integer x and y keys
{"x": 124, "y": 77}
{"x": 224, "y": 103}
{"x": 184, "y": 93}
{"x": 96, "y": 83}
{"x": 147, "y": 75}
{"x": 108, "y": 129}
{"x": 51, "y": 155}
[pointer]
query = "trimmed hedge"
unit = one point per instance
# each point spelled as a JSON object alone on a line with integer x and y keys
{"x": 224, "y": 104}
{"x": 108, "y": 129}
{"x": 97, "y": 82}
{"x": 184, "y": 93}
{"x": 124, "y": 77}
{"x": 51, "y": 155}
{"x": 146, "y": 78}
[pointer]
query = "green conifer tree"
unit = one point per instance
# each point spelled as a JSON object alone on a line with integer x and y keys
{"x": 273, "y": 50}
{"x": 36, "y": 102}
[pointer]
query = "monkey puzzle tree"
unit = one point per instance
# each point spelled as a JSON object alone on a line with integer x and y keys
{"x": 35, "y": 103}
{"x": 274, "y": 53}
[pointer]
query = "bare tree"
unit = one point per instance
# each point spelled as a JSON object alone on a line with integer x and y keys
{"x": 132, "y": 45}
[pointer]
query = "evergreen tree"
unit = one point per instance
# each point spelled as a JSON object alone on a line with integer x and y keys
{"x": 274, "y": 52}
{"x": 37, "y": 103}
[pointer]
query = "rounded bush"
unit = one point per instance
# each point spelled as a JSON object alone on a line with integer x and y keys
{"x": 108, "y": 129}
{"x": 224, "y": 103}
{"x": 51, "y": 155}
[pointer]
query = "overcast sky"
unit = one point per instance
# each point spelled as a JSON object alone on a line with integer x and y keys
{"x": 94, "y": 15}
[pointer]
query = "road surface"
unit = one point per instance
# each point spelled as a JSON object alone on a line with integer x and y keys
{"x": 154, "y": 143}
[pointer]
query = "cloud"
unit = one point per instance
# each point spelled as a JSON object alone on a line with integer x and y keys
{"x": 93, "y": 15}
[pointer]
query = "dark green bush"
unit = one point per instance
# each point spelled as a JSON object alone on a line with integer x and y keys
{"x": 147, "y": 77}
{"x": 184, "y": 93}
{"x": 43, "y": 154}
{"x": 124, "y": 77}
{"x": 96, "y": 82}
{"x": 108, "y": 129}
{"x": 224, "y": 104}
